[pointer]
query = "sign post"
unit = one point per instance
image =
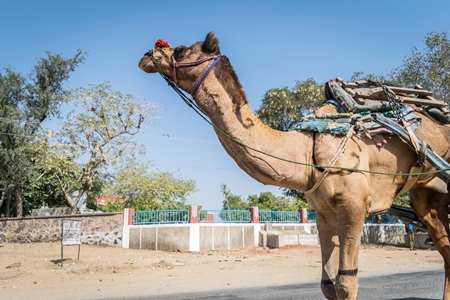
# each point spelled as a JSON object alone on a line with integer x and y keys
{"x": 71, "y": 235}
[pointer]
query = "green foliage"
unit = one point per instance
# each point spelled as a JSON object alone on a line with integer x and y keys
{"x": 283, "y": 106}
{"x": 151, "y": 191}
{"x": 231, "y": 201}
{"x": 268, "y": 201}
{"x": 429, "y": 68}
{"x": 45, "y": 168}
{"x": 25, "y": 102}
{"x": 265, "y": 201}
{"x": 300, "y": 201}
{"x": 402, "y": 200}
{"x": 43, "y": 192}
{"x": 113, "y": 206}
{"x": 377, "y": 78}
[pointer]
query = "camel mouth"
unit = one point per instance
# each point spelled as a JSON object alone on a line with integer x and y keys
{"x": 146, "y": 64}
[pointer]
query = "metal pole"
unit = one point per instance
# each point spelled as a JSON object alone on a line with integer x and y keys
{"x": 62, "y": 246}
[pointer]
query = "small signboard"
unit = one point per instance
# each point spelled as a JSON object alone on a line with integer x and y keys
{"x": 71, "y": 235}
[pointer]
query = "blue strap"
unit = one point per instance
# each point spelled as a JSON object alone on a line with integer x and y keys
{"x": 203, "y": 76}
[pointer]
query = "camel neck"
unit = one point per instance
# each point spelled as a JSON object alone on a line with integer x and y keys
{"x": 240, "y": 124}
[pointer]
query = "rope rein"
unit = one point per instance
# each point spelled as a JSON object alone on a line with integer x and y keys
{"x": 189, "y": 102}
{"x": 335, "y": 158}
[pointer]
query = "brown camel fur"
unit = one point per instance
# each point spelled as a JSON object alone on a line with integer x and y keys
{"x": 344, "y": 198}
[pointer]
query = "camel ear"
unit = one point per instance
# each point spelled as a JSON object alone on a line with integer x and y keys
{"x": 211, "y": 44}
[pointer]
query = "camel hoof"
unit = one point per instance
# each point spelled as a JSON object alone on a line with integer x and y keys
{"x": 343, "y": 293}
{"x": 329, "y": 291}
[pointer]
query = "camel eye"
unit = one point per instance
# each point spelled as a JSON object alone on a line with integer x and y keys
{"x": 179, "y": 52}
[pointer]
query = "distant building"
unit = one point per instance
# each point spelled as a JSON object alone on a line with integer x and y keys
{"x": 103, "y": 200}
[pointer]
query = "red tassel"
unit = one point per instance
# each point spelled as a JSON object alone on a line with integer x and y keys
{"x": 162, "y": 44}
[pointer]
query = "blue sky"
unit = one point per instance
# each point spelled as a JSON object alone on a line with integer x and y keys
{"x": 269, "y": 43}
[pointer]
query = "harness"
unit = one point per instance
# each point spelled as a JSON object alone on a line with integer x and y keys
{"x": 214, "y": 59}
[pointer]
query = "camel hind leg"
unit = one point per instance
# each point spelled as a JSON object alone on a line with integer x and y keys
{"x": 432, "y": 209}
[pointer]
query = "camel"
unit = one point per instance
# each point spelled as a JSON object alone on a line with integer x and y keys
{"x": 344, "y": 197}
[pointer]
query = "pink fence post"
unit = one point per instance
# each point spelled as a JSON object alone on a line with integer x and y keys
{"x": 303, "y": 215}
{"x": 193, "y": 213}
{"x": 210, "y": 218}
{"x": 254, "y": 214}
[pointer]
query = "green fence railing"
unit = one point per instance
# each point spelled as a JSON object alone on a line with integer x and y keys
{"x": 160, "y": 217}
{"x": 311, "y": 217}
{"x": 224, "y": 216}
{"x": 279, "y": 216}
{"x": 235, "y": 216}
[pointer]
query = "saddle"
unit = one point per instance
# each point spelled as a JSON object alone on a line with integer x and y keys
{"x": 368, "y": 96}
{"x": 371, "y": 108}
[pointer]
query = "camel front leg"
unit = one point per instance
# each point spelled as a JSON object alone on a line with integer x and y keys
{"x": 350, "y": 238}
{"x": 350, "y": 212}
{"x": 329, "y": 246}
{"x": 341, "y": 204}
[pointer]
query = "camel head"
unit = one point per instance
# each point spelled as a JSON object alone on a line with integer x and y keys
{"x": 184, "y": 65}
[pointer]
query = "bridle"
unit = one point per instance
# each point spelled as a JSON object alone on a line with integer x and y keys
{"x": 214, "y": 59}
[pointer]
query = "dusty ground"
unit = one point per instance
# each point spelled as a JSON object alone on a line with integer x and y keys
{"x": 33, "y": 271}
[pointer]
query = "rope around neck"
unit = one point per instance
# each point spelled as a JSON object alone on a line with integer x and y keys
{"x": 189, "y": 102}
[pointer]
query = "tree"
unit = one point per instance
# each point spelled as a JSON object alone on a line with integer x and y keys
{"x": 281, "y": 107}
{"x": 92, "y": 139}
{"x": 44, "y": 192}
{"x": 268, "y": 201}
{"x": 231, "y": 201}
{"x": 113, "y": 206}
{"x": 299, "y": 199}
{"x": 25, "y": 103}
{"x": 372, "y": 77}
{"x": 142, "y": 190}
{"x": 429, "y": 68}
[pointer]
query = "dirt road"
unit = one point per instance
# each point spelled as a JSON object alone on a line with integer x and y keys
{"x": 33, "y": 271}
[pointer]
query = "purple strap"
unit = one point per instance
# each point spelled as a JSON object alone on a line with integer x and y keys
{"x": 202, "y": 76}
